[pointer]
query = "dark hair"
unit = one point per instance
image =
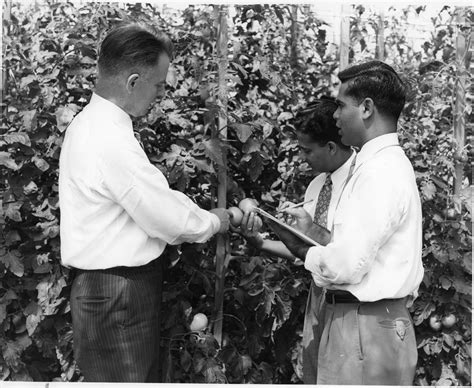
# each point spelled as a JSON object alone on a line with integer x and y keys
{"x": 378, "y": 81}
{"x": 132, "y": 45}
{"x": 317, "y": 121}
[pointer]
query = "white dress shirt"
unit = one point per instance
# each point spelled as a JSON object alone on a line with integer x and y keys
{"x": 375, "y": 252}
{"x": 116, "y": 207}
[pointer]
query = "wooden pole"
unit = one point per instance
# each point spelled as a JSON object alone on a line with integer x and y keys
{"x": 380, "y": 37}
{"x": 459, "y": 121}
{"x": 345, "y": 37}
{"x": 294, "y": 37}
{"x": 222, "y": 250}
{"x": 7, "y": 14}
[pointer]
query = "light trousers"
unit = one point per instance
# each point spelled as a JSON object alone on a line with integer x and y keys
{"x": 358, "y": 343}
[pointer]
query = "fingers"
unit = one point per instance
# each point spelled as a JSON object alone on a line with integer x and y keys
{"x": 298, "y": 212}
{"x": 251, "y": 224}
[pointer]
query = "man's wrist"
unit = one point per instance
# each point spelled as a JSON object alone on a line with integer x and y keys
{"x": 256, "y": 241}
{"x": 301, "y": 252}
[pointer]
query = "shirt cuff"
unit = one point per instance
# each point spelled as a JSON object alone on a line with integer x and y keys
{"x": 313, "y": 260}
{"x": 216, "y": 223}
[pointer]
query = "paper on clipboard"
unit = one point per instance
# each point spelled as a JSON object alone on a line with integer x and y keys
{"x": 302, "y": 236}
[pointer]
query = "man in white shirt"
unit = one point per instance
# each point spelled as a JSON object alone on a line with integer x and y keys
{"x": 372, "y": 267}
{"x": 118, "y": 213}
{"x": 321, "y": 147}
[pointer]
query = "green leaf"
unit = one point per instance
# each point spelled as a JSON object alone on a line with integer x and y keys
{"x": 255, "y": 166}
{"x": 198, "y": 363}
{"x": 12, "y": 350}
{"x": 64, "y": 116}
{"x": 252, "y": 145}
{"x": 29, "y": 79}
{"x": 3, "y": 311}
{"x": 243, "y": 131}
{"x": 186, "y": 361}
{"x": 7, "y": 161}
{"x": 245, "y": 363}
{"x": 178, "y": 120}
{"x": 17, "y": 137}
{"x": 13, "y": 211}
{"x": 12, "y": 261}
{"x": 40, "y": 163}
{"x": 463, "y": 287}
{"x": 29, "y": 119}
{"x": 467, "y": 262}
{"x": 284, "y": 116}
{"x": 32, "y": 322}
{"x": 445, "y": 282}
{"x": 213, "y": 150}
{"x": 428, "y": 189}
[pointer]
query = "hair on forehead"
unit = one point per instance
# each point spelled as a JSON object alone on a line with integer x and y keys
{"x": 378, "y": 81}
{"x": 132, "y": 45}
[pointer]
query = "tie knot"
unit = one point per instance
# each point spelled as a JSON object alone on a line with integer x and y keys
{"x": 328, "y": 180}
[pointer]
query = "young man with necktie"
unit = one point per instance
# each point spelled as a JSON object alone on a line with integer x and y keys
{"x": 118, "y": 213}
{"x": 321, "y": 147}
{"x": 372, "y": 267}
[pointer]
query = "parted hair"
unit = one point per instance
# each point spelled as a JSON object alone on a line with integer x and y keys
{"x": 317, "y": 122}
{"x": 378, "y": 81}
{"x": 132, "y": 45}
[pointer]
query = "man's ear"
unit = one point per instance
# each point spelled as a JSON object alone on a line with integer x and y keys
{"x": 132, "y": 81}
{"x": 332, "y": 147}
{"x": 368, "y": 107}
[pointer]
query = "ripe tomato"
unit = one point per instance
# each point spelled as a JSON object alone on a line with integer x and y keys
{"x": 435, "y": 322}
{"x": 235, "y": 215}
{"x": 449, "y": 320}
{"x": 199, "y": 322}
{"x": 247, "y": 205}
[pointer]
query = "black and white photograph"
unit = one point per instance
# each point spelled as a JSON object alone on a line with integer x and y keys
{"x": 236, "y": 193}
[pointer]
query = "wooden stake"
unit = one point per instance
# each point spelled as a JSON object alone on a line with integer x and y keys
{"x": 222, "y": 250}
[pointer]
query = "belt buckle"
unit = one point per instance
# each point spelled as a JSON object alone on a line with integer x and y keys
{"x": 332, "y": 298}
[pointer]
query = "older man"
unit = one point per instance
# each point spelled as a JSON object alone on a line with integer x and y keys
{"x": 118, "y": 213}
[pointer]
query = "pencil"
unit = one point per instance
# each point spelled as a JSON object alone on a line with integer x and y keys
{"x": 296, "y": 205}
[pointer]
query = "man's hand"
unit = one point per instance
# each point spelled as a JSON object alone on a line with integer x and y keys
{"x": 302, "y": 218}
{"x": 224, "y": 218}
{"x": 305, "y": 224}
{"x": 250, "y": 228}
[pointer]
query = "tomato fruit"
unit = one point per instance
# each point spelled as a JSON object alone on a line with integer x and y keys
{"x": 449, "y": 320}
{"x": 435, "y": 322}
{"x": 199, "y": 322}
{"x": 236, "y": 215}
{"x": 247, "y": 205}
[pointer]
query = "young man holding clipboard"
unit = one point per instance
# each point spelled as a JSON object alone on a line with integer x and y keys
{"x": 321, "y": 147}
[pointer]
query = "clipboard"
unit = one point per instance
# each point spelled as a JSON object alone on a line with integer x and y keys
{"x": 300, "y": 235}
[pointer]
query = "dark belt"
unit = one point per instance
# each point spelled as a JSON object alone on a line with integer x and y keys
{"x": 340, "y": 296}
{"x": 146, "y": 268}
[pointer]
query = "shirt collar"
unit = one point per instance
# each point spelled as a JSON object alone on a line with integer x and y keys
{"x": 108, "y": 108}
{"x": 373, "y": 146}
{"x": 339, "y": 176}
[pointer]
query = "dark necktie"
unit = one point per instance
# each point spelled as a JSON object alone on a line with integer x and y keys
{"x": 322, "y": 206}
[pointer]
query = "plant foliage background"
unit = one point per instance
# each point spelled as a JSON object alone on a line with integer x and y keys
{"x": 277, "y": 64}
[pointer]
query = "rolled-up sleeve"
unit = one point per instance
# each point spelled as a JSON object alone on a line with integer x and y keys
{"x": 143, "y": 192}
{"x": 363, "y": 223}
